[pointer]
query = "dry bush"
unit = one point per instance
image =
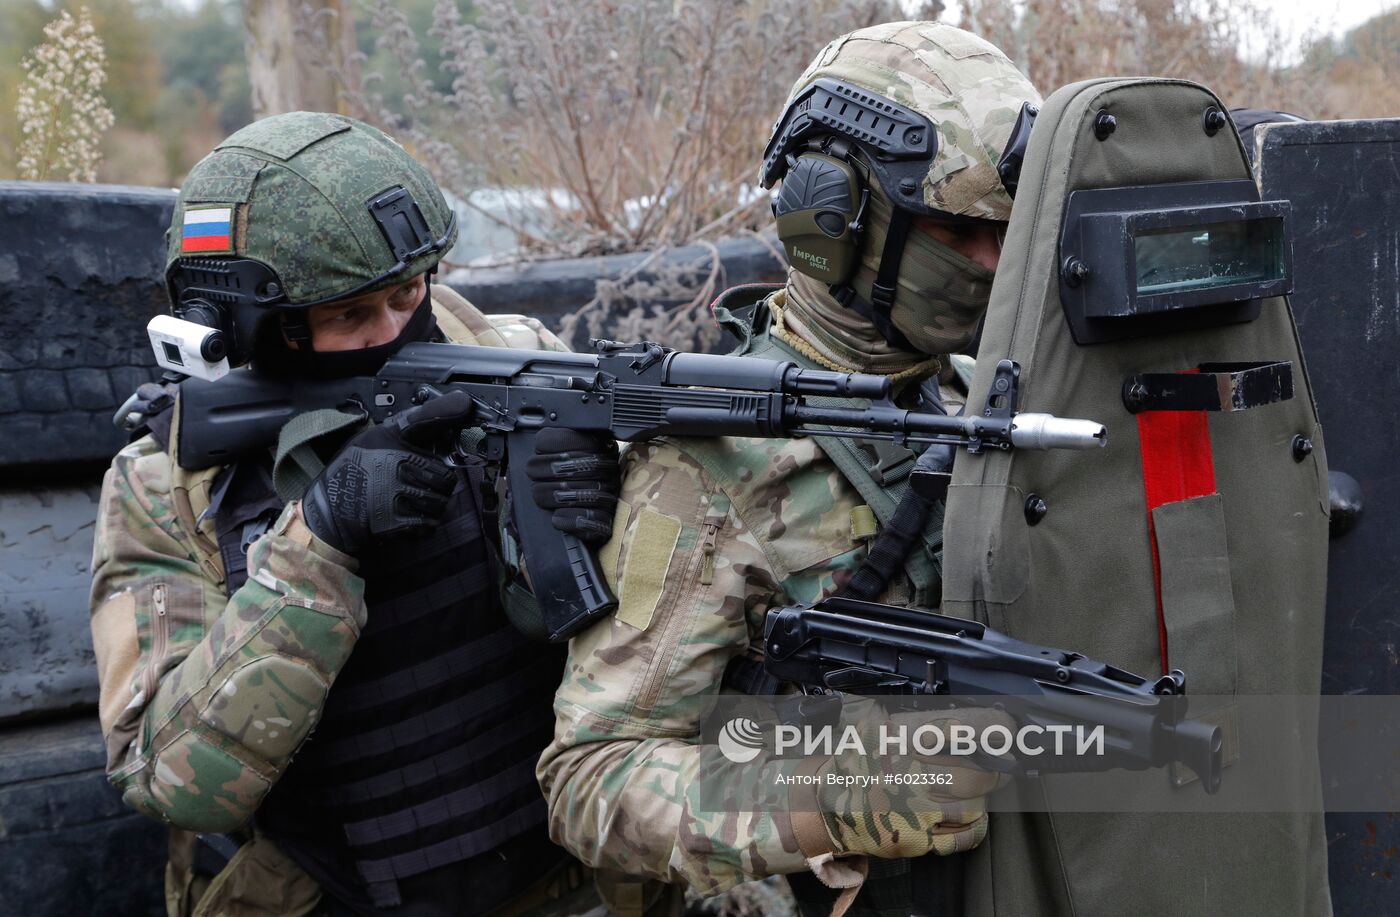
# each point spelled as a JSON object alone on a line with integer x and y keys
{"x": 134, "y": 157}
{"x": 1360, "y": 76}
{"x": 1060, "y": 41}
{"x": 62, "y": 114}
{"x": 645, "y": 119}
{"x": 640, "y": 122}
{"x": 638, "y": 125}
{"x": 655, "y": 301}
{"x": 1363, "y": 86}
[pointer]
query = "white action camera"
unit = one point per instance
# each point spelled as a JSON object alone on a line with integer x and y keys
{"x": 188, "y": 347}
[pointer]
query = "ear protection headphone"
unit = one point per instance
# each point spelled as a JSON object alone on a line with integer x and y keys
{"x": 830, "y": 136}
{"x": 820, "y": 211}
{"x": 831, "y": 141}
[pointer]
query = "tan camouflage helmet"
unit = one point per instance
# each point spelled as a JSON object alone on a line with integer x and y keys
{"x": 965, "y": 87}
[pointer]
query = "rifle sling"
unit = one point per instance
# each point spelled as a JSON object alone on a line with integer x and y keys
{"x": 897, "y": 540}
{"x": 296, "y": 464}
{"x": 884, "y": 494}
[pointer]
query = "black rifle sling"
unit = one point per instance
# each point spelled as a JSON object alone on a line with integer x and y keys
{"x": 903, "y": 531}
{"x": 899, "y": 538}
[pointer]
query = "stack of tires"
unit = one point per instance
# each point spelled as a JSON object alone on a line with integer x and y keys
{"x": 78, "y": 281}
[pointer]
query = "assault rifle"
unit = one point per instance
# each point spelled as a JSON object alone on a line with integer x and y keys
{"x": 630, "y": 391}
{"x": 848, "y": 646}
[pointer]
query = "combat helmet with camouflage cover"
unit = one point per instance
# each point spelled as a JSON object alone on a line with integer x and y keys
{"x": 888, "y": 124}
{"x": 294, "y": 211}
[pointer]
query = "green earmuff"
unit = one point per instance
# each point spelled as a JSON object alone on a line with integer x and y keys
{"x": 819, "y": 211}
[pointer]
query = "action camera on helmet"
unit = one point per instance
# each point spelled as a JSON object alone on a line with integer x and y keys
{"x": 188, "y": 347}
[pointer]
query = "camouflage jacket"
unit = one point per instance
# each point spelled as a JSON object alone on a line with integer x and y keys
{"x": 708, "y": 535}
{"x": 206, "y": 697}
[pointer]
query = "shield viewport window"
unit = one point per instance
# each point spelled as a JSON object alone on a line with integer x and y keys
{"x": 1204, "y": 257}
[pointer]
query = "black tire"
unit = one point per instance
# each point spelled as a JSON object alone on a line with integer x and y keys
{"x": 80, "y": 270}
{"x": 69, "y": 845}
{"x": 47, "y": 667}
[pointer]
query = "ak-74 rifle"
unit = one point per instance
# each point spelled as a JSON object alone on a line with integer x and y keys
{"x": 628, "y": 391}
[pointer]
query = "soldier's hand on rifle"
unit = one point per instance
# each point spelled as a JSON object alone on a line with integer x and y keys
{"x": 385, "y": 482}
{"x": 576, "y": 475}
{"x": 896, "y": 805}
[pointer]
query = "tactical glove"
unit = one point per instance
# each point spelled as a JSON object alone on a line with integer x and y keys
{"x": 576, "y": 475}
{"x": 896, "y": 806}
{"x": 384, "y": 483}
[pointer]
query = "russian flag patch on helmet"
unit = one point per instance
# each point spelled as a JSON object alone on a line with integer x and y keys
{"x": 207, "y": 230}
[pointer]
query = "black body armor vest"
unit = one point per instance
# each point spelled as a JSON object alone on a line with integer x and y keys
{"x": 424, "y": 756}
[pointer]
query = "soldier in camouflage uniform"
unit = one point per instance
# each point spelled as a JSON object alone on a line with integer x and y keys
{"x": 714, "y": 532}
{"x": 228, "y": 626}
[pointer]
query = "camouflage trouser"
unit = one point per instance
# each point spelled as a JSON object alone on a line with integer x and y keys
{"x": 565, "y": 891}
{"x": 262, "y": 881}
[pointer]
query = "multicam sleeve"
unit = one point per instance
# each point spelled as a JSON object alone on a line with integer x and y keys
{"x": 527, "y": 333}
{"x": 205, "y": 699}
{"x": 621, "y": 773}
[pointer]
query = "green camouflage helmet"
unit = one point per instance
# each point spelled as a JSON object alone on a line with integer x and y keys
{"x": 967, "y": 88}
{"x": 296, "y": 210}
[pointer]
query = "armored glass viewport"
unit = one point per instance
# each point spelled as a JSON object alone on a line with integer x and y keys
{"x": 1209, "y": 256}
{"x": 1156, "y": 259}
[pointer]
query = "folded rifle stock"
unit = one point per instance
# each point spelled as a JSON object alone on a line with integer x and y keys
{"x": 847, "y": 646}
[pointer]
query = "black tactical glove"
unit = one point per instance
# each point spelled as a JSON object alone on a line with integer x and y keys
{"x": 576, "y": 475}
{"x": 384, "y": 483}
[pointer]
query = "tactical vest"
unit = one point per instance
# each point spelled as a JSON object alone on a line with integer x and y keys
{"x": 425, "y": 751}
{"x": 880, "y": 474}
{"x": 878, "y": 471}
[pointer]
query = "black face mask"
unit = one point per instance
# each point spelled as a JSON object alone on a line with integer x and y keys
{"x": 273, "y": 356}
